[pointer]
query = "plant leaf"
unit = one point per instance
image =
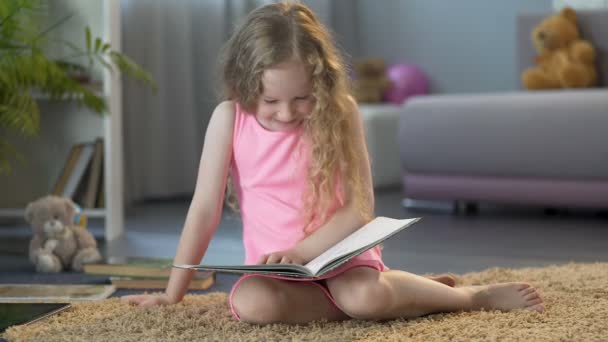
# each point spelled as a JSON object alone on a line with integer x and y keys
{"x": 127, "y": 66}
{"x": 88, "y": 38}
{"x": 26, "y": 70}
{"x": 7, "y": 152}
{"x": 20, "y": 113}
{"x": 98, "y": 43}
{"x": 101, "y": 60}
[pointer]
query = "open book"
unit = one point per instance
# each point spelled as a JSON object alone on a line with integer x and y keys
{"x": 366, "y": 237}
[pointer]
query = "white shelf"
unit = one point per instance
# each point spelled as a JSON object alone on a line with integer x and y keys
{"x": 12, "y": 212}
{"x": 67, "y": 97}
{"x": 113, "y": 139}
{"x": 20, "y": 212}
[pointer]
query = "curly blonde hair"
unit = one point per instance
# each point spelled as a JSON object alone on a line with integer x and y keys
{"x": 276, "y": 33}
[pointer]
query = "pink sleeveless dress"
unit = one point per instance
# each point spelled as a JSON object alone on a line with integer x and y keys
{"x": 269, "y": 175}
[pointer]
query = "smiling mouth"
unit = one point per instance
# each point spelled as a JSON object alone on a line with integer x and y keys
{"x": 286, "y": 126}
{"x": 288, "y": 123}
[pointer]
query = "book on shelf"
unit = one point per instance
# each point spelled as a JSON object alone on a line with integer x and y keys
{"x": 200, "y": 281}
{"x": 93, "y": 180}
{"x": 100, "y": 201}
{"x": 136, "y": 267}
{"x": 366, "y": 237}
{"x": 67, "y": 170}
{"x": 81, "y": 177}
{"x": 79, "y": 169}
{"x": 46, "y": 293}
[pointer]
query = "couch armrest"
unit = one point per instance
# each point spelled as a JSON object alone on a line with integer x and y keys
{"x": 560, "y": 134}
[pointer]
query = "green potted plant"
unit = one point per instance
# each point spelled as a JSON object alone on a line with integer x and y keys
{"x": 26, "y": 69}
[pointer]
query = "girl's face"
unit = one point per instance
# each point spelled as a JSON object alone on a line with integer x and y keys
{"x": 286, "y": 98}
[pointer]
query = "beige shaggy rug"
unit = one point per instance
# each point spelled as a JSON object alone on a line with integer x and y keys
{"x": 576, "y": 298}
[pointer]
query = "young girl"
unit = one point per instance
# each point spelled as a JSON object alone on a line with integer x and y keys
{"x": 292, "y": 140}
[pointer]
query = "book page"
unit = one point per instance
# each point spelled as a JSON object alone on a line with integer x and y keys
{"x": 276, "y": 269}
{"x": 359, "y": 241}
{"x": 374, "y": 232}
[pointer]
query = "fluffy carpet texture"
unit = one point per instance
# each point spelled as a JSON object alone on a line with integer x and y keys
{"x": 576, "y": 298}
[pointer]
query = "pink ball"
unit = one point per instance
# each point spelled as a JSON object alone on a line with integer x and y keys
{"x": 406, "y": 80}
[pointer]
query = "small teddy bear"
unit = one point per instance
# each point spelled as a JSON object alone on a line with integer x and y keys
{"x": 371, "y": 81}
{"x": 564, "y": 59}
{"x": 58, "y": 244}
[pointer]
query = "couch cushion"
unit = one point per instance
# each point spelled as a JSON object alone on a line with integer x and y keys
{"x": 559, "y": 134}
{"x": 593, "y": 25}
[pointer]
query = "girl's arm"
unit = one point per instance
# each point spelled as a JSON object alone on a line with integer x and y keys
{"x": 344, "y": 221}
{"x": 205, "y": 209}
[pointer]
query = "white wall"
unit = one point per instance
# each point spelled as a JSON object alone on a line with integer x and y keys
{"x": 464, "y": 46}
{"x": 580, "y": 4}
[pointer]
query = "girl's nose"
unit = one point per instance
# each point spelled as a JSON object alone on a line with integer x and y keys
{"x": 286, "y": 113}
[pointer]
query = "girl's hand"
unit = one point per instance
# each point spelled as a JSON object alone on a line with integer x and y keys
{"x": 288, "y": 256}
{"x": 147, "y": 300}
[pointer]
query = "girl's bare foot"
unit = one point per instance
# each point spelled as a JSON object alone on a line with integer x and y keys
{"x": 505, "y": 297}
{"x": 446, "y": 279}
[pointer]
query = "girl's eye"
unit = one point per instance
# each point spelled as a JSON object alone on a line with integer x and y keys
{"x": 302, "y": 98}
{"x": 270, "y": 101}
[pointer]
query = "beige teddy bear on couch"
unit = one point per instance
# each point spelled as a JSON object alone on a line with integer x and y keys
{"x": 57, "y": 243}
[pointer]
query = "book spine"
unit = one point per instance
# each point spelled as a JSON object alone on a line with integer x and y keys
{"x": 78, "y": 171}
{"x": 93, "y": 182}
{"x": 67, "y": 170}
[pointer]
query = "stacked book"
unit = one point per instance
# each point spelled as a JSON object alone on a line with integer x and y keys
{"x": 145, "y": 273}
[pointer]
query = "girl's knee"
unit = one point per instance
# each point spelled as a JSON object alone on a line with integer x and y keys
{"x": 257, "y": 300}
{"x": 364, "y": 300}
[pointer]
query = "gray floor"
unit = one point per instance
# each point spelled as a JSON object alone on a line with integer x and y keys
{"x": 440, "y": 242}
